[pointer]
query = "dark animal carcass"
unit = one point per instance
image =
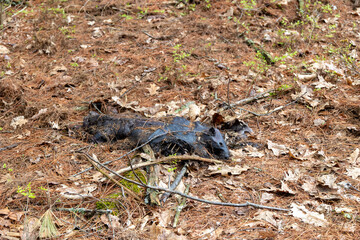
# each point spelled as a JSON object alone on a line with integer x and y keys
{"x": 176, "y": 136}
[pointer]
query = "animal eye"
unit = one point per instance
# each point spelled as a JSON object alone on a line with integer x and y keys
{"x": 221, "y": 144}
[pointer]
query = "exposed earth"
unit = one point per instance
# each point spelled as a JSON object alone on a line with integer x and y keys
{"x": 288, "y": 68}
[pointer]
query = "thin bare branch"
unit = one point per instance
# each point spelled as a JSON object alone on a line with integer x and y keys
{"x": 274, "y": 110}
{"x": 228, "y": 204}
{"x": 253, "y": 98}
{"x": 166, "y": 159}
{"x": 84, "y": 210}
{"x": 9, "y": 147}
{"x": 94, "y": 162}
{"x": 138, "y": 147}
{"x": 175, "y": 183}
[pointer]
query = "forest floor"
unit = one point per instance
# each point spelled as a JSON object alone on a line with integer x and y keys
{"x": 297, "y": 63}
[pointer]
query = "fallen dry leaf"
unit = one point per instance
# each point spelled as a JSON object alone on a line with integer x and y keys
{"x": 253, "y": 152}
{"x": 277, "y": 149}
{"x": 266, "y": 197}
{"x": 307, "y": 216}
{"x": 77, "y": 192}
{"x": 153, "y": 89}
{"x": 226, "y": 170}
{"x": 4, "y": 50}
{"x": 354, "y": 157}
{"x": 292, "y": 176}
{"x": 353, "y": 172}
{"x": 18, "y": 122}
{"x": 194, "y": 112}
{"x": 306, "y": 77}
{"x": 328, "y": 180}
{"x": 111, "y": 221}
{"x": 4, "y": 211}
{"x": 309, "y": 186}
{"x": 286, "y": 188}
{"x": 268, "y": 216}
{"x": 322, "y": 83}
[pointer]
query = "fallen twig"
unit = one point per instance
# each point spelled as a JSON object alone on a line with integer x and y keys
{"x": 259, "y": 49}
{"x": 93, "y": 161}
{"x": 175, "y": 183}
{"x": 9, "y": 147}
{"x": 157, "y": 38}
{"x": 165, "y": 159}
{"x": 272, "y": 111}
{"x": 84, "y": 210}
{"x": 182, "y": 204}
{"x": 253, "y": 98}
{"x": 142, "y": 145}
{"x": 124, "y": 155}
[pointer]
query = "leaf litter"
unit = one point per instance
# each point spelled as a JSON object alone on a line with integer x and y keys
{"x": 193, "y": 64}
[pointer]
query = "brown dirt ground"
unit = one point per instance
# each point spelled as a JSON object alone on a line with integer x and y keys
{"x": 72, "y": 56}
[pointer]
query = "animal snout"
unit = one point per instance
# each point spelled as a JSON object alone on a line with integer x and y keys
{"x": 226, "y": 155}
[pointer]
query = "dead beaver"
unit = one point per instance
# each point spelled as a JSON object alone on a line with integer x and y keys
{"x": 177, "y": 136}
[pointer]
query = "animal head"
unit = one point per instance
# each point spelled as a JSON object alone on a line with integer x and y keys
{"x": 215, "y": 143}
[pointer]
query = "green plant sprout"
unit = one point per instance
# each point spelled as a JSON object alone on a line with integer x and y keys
{"x": 58, "y": 11}
{"x": 284, "y": 87}
{"x": 178, "y": 54}
{"x": 172, "y": 169}
{"x": 143, "y": 12}
{"x": 67, "y": 31}
{"x": 208, "y": 4}
{"x": 26, "y": 192}
{"x": 162, "y": 76}
{"x": 248, "y": 6}
{"x": 326, "y": 8}
{"x": 158, "y": 11}
{"x": 74, "y": 64}
{"x": 127, "y": 17}
{"x": 192, "y": 7}
{"x": 258, "y": 65}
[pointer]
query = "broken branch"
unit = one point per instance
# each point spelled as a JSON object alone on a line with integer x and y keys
{"x": 94, "y": 162}
{"x": 166, "y": 159}
{"x": 9, "y": 147}
{"x": 175, "y": 183}
{"x": 147, "y": 142}
{"x": 229, "y": 204}
{"x": 254, "y": 98}
{"x": 272, "y": 111}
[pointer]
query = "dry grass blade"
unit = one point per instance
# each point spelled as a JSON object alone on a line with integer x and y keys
{"x": 47, "y": 227}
